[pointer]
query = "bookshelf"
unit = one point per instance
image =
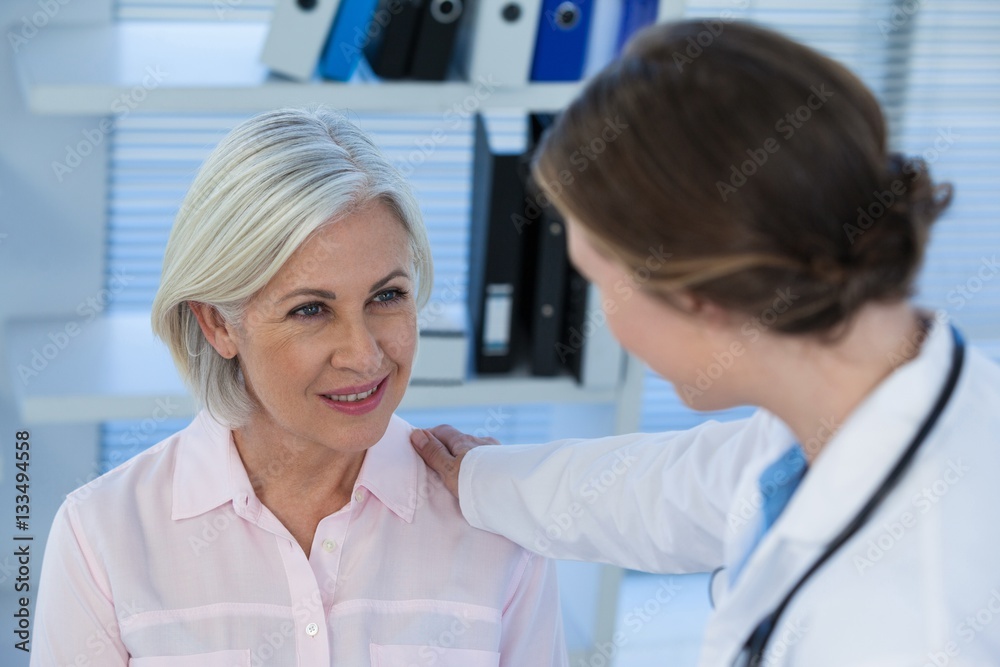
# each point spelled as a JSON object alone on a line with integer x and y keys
{"x": 175, "y": 66}
{"x": 210, "y": 67}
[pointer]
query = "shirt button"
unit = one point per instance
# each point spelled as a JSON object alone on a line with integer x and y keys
{"x": 312, "y": 629}
{"x": 359, "y": 495}
{"x": 329, "y": 545}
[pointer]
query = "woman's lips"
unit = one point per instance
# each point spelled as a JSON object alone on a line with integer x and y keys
{"x": 357, "y": 407}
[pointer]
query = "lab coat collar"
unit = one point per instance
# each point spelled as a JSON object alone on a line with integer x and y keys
{"x": 857, "y": 459}
{"x": 209, "y": 472}
{"x": 851, "y": 467}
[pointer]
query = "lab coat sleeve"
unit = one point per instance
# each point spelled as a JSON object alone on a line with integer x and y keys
{"x": 651, "y": 502}
{"x": 532, "y": 623}
{"x": 75, "y": 620}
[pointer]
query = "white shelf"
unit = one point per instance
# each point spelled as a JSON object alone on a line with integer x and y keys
{"x": 114, "y": 368}
{"x": 105, "y": 70}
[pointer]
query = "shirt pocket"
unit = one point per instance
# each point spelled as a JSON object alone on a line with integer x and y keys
{"x": 428, "y": 656}
{"x": 240, "y": 658}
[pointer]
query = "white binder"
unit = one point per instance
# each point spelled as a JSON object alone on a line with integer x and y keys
{"x": 299, "y": 29}
{"x": 603, "y": 40}
{"x": 498, "y": 41}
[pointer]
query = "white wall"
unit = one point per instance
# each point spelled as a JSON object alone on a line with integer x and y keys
{"x": 51, "y": 260}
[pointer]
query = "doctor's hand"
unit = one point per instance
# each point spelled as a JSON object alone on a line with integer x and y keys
{"x": 443, "y": 447}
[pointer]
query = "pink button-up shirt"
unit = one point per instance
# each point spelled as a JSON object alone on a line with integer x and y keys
{"x": 170, "y": 560}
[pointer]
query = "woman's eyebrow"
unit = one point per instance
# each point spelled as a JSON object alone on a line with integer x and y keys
{"x": 326, "y": 294}
{"x": 309, "y": 291}
{"x": 395, "y": 274}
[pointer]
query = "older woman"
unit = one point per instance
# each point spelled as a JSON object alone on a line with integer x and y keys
{"x": 291, "y": 523}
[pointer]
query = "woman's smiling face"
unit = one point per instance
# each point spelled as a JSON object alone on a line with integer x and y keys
{"x": 327, "y": 347}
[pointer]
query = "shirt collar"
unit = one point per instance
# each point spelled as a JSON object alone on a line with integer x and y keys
{"x": 856, "y": 460}
{"x": 209, "y": 472}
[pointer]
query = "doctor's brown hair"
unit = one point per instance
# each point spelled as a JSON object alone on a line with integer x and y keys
{"x": 758, "y": 164}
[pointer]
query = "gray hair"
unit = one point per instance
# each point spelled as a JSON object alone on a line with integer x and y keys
{"x": 271, "y": 183}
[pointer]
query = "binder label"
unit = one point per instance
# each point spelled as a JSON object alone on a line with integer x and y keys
{"x": 497, "y": 318}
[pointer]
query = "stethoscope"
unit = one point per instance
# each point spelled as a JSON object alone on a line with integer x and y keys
{"x": 752, "y": 653}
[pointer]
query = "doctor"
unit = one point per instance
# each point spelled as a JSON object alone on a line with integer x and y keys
{"x": 755, "y": 243}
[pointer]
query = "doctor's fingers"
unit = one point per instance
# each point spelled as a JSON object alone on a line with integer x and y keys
{"x": 438, "y": 458}
{"x": 457, "y": 441}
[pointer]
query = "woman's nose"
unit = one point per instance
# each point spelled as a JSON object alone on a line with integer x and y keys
{"x": 357, "y": 349}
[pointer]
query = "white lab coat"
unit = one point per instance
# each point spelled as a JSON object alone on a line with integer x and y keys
{"x": 919, "y": 584}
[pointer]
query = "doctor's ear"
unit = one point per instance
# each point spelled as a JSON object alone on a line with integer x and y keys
{"x": 217, "y": 331}
{"x": 705, "y": 311}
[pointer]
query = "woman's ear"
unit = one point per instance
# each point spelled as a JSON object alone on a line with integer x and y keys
{"x": 217, "y": 332}
{"x": 709, "y": 314}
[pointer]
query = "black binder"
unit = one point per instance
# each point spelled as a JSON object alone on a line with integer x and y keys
{"x": 496, "y": 251}
{"x": 569, "y": 349}
{"x": 435, "y": 39}
{"x": 547, "y": 247}
{"x": 390, "y": 49}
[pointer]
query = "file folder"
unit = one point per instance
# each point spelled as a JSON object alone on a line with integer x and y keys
{"x": 498, "y": 40}
{"x": 549, "y": 293}
{"x": 390, "y": 50}
{"x": 435, "y": 40}
{"x": 605, "y": 31}
{"x": 295, "y": 39}
{"x": 636, "y": 15}
{"x": 572, "y": 338}
{"x": 348, "y": 38}
{"x": 547, "y": 264}
{"x": 561, "y": 45}
{"x": 496, "y": 247}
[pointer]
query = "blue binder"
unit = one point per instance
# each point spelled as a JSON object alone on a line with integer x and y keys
{"x": 636, "y": 15}
{"x": 561, "y": 46}
{"x": 348, "y": 39}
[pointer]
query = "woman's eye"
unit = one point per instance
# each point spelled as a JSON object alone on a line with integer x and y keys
{"x": 387, "y": 297}
{"x": 308, "y": 310}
